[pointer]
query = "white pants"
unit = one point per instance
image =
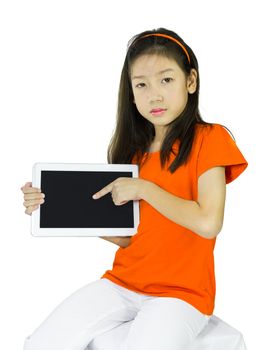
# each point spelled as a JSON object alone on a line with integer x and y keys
{"x": 159, "y": 322}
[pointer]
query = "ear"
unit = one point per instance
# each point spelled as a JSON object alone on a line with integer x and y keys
{"x": 192, "y": 81}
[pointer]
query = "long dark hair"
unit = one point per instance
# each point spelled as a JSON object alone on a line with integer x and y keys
{"x": 134, "y": 134}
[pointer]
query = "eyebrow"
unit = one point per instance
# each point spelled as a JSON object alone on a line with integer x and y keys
{"x": 160, "y": 72}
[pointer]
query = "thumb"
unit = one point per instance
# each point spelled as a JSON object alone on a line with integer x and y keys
{"x": 28, "y": 184}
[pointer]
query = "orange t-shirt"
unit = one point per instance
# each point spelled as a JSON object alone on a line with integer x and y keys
{"x": 167, "y": 259}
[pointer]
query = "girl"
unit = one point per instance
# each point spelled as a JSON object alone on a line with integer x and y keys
{"x": 163, "y": 276}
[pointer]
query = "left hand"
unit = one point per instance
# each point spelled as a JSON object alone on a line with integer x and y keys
{"x": 123, "y": 189}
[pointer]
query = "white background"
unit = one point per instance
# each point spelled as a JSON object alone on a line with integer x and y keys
{"x": 60, "y": 66}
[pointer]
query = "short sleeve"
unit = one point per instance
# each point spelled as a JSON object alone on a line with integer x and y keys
{"x": 218, "y": 148}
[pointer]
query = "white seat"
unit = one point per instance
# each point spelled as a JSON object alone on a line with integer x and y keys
{"x": 217, "y": 335}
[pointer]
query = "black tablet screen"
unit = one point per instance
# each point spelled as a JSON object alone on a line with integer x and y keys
{"x": 69, "y": 203}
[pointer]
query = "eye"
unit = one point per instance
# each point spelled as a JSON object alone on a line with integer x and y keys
{"x": 139, "y": 84}
{"x": 170, "y": 79}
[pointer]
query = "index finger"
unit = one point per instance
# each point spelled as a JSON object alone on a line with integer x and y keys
{"x": 103, "y": 191}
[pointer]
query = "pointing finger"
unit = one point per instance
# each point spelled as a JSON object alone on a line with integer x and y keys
{"x": 102, "y": 192}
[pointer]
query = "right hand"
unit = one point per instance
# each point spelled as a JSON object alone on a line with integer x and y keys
{"x": 32, "y": 197}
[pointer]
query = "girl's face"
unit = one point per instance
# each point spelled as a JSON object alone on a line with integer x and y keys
{"x": 159, "y": 82}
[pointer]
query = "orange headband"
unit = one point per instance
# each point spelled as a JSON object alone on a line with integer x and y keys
{"x": 171, "y": 38}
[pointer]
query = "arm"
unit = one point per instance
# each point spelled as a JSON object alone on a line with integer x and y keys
{"x": 119, "y": 240}
{"x": 204, "y": 216}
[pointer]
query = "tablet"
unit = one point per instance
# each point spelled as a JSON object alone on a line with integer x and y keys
{"x": 70, "y": 210}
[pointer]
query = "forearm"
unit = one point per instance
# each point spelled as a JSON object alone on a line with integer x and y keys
{"x": 184, "y": 212}
{"x": 122, "y": 242}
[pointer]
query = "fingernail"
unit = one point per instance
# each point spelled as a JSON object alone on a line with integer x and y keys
{"x": 94, "y": 196}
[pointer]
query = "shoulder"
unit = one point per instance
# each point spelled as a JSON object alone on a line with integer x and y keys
{"x": 217, "y": 147}
{"x": 208, "y": 128}
{"x": 213, "y": 132}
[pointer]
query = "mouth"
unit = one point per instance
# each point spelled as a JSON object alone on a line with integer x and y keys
{"x": 157, "y": 111}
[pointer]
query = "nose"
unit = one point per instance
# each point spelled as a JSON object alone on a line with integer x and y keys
{"x": 154, "y": 96}
{"x": 155, "y": 100}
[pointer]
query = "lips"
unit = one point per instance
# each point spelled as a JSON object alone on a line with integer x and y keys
{"x": 157, "y": 110}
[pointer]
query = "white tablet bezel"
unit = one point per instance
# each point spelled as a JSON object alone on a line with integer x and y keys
{"x": 79, "y": 232}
